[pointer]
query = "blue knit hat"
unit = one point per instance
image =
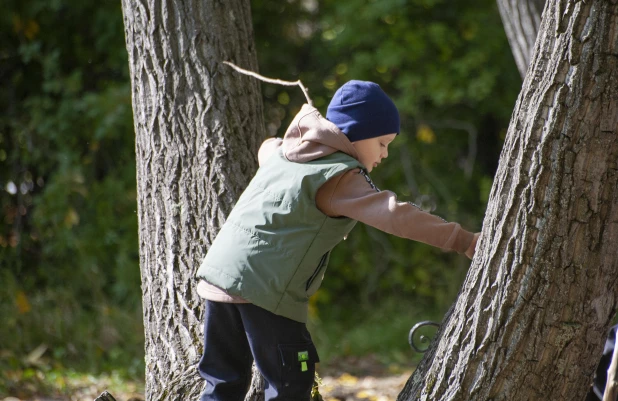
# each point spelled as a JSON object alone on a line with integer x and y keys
{"x": 362, "y": 110}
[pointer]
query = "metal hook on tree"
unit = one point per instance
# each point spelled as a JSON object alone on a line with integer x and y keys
{"x": 422, "y": 337}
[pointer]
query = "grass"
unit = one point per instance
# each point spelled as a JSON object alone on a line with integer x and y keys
{"x": 65, "y": 384}
{"x": 77, "y": 366}
{"x": 55, "y": 346}
{"x": 377, "y": 330}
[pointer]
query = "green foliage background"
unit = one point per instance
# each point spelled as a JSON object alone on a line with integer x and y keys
{"x": 69, "y": 266}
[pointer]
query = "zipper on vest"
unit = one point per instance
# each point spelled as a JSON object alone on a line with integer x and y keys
{"x": 317, "y": 271}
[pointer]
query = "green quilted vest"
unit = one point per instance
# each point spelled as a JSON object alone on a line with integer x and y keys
{"x": 274, "y": 246}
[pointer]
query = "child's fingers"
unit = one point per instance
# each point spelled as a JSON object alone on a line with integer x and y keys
{"x": 472, "y": 248}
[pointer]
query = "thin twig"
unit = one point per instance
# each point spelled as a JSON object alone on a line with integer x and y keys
{"x": 271, "y": 80}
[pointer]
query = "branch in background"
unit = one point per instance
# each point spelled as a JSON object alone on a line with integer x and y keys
{"x": 272, "y": 81}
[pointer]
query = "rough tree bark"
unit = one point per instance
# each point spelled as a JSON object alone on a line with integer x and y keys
{"x": 198, "y": 126}
{"x": 531, "y": 318}
{"x": 521, "y": 20}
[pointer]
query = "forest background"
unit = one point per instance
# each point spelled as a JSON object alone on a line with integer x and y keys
{"x": 70, "y": 297}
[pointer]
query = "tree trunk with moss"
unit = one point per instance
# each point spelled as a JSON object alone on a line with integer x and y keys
{"x": 198, "y": 126}
{"x": 521, "y": 20}
{"x": 532, "y": 315}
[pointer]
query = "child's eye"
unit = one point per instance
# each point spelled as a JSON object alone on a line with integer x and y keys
{"x": 383, "y": 145}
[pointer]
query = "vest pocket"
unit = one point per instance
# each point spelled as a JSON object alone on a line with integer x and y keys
{"x": 314, "y": 283}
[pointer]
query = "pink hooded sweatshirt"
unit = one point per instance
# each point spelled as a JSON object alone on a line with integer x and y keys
{"x": 352, "y": 194}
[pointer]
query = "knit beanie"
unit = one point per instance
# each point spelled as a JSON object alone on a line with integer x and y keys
{"x": 362, "y": 110}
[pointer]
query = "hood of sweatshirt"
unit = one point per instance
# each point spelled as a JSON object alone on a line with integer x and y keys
{"x": 311, "y": 136}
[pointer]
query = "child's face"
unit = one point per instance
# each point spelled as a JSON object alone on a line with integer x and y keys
{"x": 371, "y": 151}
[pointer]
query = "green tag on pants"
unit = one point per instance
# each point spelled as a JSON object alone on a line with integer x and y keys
{"x": 303, "y": 357}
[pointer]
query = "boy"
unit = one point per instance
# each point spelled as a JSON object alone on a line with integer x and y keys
{"x": 272, "y": 251}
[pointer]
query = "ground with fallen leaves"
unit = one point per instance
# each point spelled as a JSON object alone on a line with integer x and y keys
{"x": 362, "y": 378}
{"x": 349, "y": 379}
{"x": 347, "y": 387}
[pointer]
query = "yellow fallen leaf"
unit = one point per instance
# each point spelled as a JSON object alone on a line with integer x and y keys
{"x": 366, "y": 395}
{"x": 347, "y": 379}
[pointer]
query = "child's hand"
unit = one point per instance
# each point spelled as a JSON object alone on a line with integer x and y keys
{"x": 472, "y": 247}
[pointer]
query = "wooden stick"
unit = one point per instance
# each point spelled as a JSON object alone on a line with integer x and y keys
{"x": 271, "y": 80}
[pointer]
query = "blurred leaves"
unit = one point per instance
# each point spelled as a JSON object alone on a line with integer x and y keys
{"x": 68, "y": 238}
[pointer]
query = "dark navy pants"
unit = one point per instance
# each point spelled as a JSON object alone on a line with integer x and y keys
{"x": 237, "y": 334}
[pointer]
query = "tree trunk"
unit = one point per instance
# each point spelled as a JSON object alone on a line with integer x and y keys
{"x": 521, "y": 20}
{"x": 531, "y": 318}
{"x": 198, "y": 125}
